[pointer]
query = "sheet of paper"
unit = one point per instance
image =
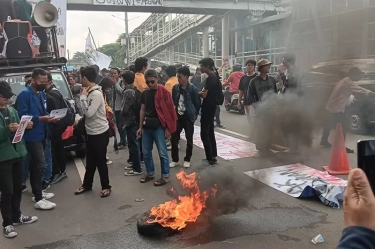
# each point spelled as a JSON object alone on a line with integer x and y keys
{"x": 21, "y": 128}
{"x": 59, "y": 113}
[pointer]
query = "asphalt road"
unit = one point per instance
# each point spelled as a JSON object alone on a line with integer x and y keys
{"x": 272, "y": 220}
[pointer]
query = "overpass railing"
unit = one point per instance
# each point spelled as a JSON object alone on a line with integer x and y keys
{"x": 163, "y": 34}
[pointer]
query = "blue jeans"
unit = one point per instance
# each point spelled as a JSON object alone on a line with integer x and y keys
{"x": 48, "y": 167}
{"x": 148, "y": 138}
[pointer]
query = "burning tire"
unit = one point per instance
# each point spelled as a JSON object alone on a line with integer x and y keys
{"x": 152, "y": 229}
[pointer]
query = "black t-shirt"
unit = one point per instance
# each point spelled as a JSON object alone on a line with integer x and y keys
{"x": 212, "y": 86}
{"x": 5, "y": 113}
{"x": 148, "y": 99}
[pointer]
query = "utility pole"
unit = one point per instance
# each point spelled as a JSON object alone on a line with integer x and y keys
{"x": 68, "y": 57}
{"x": 127, "y": 38}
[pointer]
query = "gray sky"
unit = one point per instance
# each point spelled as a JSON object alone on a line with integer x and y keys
{"x": 104, "y": 27}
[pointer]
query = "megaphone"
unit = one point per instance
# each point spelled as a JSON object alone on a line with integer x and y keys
{"x": 45, "y": 14}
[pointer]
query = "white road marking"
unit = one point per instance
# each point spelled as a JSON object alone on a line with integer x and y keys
{"x": 80, "y": 167}
{"x": 232, "y": 132}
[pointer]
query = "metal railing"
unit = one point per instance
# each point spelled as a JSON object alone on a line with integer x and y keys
{"x": 168, "y": 31}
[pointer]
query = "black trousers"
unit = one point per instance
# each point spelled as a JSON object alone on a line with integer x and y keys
{"x": 331, "y": 121}
{"x": 58, "y": 155}
{"x": 11, "y": 191}
{"x": 36, "y": 167}
{"x": 42, "y": 35}
{"x": 96, "y": 158}
{"x": 217, "y": 115}
{"x": 188, "y": 126}
{"x": 134, "y": 153}
{"x": 208, "y": 133}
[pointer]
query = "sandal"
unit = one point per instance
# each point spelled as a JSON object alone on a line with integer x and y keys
{"x": 81, "y": 190}
{"x": 105, "y": 193}
{"x": 147, "y": 179}
{"x": 160, "y": 182}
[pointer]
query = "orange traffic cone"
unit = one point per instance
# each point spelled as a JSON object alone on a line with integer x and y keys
{"x": 338, "y": 164}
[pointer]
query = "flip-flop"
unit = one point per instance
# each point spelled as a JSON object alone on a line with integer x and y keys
{"x": 106, "y": 193}
{"x": 160, "y": 182}
{"x": 147, "y": 179}
{"x": 81, "y": 190}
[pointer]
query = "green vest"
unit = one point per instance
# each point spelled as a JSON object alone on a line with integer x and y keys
{"x": 9, "y": 151}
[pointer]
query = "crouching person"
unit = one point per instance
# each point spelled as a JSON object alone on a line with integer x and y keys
{"x": 11, "y": 165}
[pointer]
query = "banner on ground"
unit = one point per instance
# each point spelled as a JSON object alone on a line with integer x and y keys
{"x": 148, "y": 3}
{"x": 301, "y": 181}
{"x": 228, "y": 147}
{"x": 60, "y": 25}
{"x": 94, "y": 57}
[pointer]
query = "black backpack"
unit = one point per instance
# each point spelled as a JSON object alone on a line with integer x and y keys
{"x": 220, "y": 96}
{"x": 69, "y": 119}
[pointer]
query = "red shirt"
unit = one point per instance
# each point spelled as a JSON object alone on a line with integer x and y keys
{"x": 234, "y": 81}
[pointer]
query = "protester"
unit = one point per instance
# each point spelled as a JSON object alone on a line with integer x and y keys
{"x": 32, "y": 101}
{"x": 118, "y": 95}
{"x": 55, "y": 101}
{"x": 233, "y": 82}
{"x": 243, "y": 89}
{"x": 172, "y": 79}
{"x": 359, "y": 217}
{"x": 27, "y": 79}
{"x": 130, "y": 112}
{"x": 11, "y": 165}
{"x": 132, "y": 68}
{"x": 77, "y": 102}
{"x": 210, "y": 94}
{"x": 292, "y": 77}
{"x": 141, "y": 66}
{"x": 197, "y": 79}
{"x": 337, "y": 103}
{"x": 260, "y": 85}
{"x": 97, "y": 130}
{"x": 187, "y": 102}
{"x": 157, "y": 122}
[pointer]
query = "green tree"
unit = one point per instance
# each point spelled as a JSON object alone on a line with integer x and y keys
{"x": 78, "y": 57}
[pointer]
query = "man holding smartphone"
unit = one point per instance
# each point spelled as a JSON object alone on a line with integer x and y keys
{"x": 337, "y": 102}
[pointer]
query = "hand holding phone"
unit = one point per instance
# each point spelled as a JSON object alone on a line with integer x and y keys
{"x": 366, "y": 160}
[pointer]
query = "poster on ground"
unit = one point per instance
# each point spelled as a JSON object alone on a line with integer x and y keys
{"x": 301, "y": 181}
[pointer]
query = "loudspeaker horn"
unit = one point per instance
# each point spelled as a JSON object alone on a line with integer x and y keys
{"x": 45, "y": 14}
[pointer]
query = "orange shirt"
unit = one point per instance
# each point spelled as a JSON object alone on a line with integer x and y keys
{"x": 170, "y": 83}
{"x": 140, "y": 82}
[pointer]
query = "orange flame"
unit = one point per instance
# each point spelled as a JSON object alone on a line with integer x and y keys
{"x": 178, "y": 212}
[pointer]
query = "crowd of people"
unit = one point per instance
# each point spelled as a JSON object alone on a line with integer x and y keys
{"x": 147, "y": 107}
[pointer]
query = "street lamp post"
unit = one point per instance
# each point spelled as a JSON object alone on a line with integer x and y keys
{"x": 127, "y": 38}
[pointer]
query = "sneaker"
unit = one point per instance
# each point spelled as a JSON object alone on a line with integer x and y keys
{"x": 24, "y": 188}
{"x": 107, "y": 158}
{"x": 59, "y": 177}
{"x": 129, "y": 167}
{"x": 44, "y": 205}
{"x": 129, "y": 161}
{"x": 186, "y": 164}
{"x": 9, "y": 232}
{"x": 325, "y": 144}
{"x": 174, "y": 164}
{"x": 109, "y": 162}
{"x": 45, "y": 195}
{"x": 132, "y": 173}
{"x": 45, "y": 186}
{"x": 169, "y": 148}
{"x": 25, "y": 220}
{"x": 220, "y": 126}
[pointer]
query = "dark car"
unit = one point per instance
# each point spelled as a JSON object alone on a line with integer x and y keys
{"x": 319, "y": 82}
{"x": 16, "y": 81}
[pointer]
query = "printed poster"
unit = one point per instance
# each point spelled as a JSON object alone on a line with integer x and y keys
{"x": 228, "y": 147}
{"x": 21, "y": 128}
{"x": 301, "y": 181}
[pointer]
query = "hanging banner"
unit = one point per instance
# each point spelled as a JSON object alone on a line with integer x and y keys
{"x": 61, "y": 6}
{"x": 148, "y": 3}
{"x": 94, "y": 57}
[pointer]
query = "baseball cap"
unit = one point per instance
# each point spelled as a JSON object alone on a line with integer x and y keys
{"x": 151, "y": 73}
{"x": 5, "y": 90}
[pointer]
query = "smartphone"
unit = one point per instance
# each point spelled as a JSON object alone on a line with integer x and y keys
{"x": 366, "y": 159}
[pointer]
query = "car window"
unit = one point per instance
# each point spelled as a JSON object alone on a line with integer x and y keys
{"x": 367, "y": 68}
{"x": 331, "y": 69}
{"x": 18, "y": 84}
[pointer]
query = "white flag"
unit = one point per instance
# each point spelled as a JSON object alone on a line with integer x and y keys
{"x": 94, "y": 57}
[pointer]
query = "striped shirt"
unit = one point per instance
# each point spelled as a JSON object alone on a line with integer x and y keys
{"x": 341, "y": 93}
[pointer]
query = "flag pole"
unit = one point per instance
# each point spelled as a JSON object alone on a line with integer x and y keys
{"x": 92, "y": 37}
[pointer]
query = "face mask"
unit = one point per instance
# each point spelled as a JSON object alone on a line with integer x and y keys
{"x": 40, "y": 88}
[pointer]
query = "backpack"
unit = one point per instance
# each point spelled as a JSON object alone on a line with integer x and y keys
{"x": 220, "y": 96}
